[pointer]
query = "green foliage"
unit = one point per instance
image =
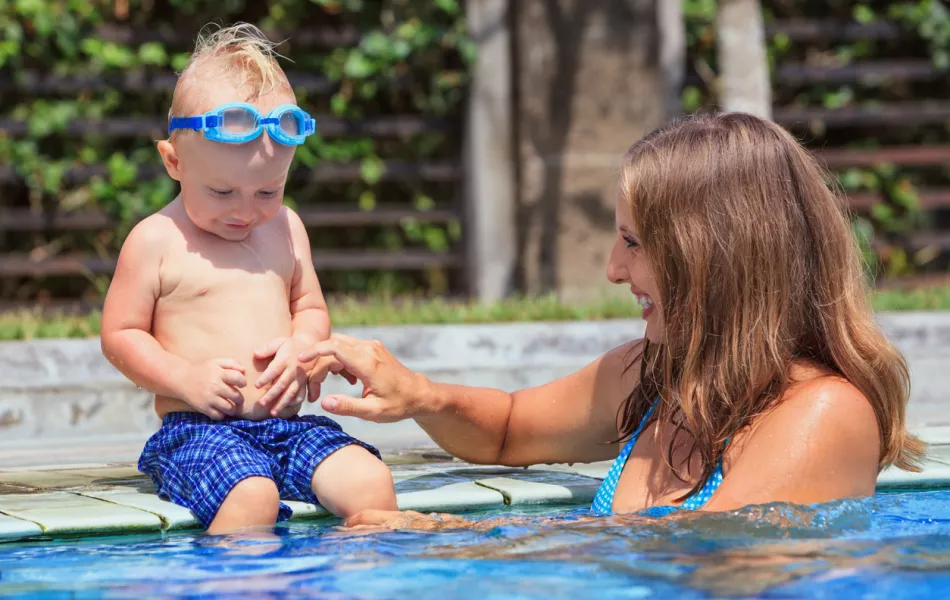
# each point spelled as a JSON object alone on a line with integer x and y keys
{"x": 419, "y": 310}
{"x": 897, "y": 213}
{"x": 412, "y": 57}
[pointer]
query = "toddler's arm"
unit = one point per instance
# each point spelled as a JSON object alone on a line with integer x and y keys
{"x": 307, "y": 306}
{"x": 127, "y": 316}
{"x": 311, "y": 324}
{"x": 127, "y": 341}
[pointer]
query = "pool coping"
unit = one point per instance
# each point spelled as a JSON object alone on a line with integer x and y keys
{"x": 112, "y": 499}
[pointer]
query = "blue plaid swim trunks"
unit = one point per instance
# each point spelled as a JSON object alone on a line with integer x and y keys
{"x": 195, "y": 461}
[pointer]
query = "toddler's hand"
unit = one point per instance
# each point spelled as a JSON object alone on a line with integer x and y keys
{"x": 212, "y": 387}
{"x": 289, "y": 388}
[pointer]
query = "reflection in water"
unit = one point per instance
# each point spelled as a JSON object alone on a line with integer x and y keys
{"x": 894, "y": 546}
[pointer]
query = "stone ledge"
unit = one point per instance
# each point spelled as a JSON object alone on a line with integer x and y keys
{"x": 64, "y": 394}
{"x": 116, "y": 499}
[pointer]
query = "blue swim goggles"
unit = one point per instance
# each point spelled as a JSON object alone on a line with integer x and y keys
{"x": 240, "y": 122}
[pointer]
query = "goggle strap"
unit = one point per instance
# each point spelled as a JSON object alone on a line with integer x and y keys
{"x": 196, "y": 123}
{"x": 270, "y": 121}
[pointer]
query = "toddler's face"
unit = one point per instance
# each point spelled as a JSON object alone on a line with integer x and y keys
{"x": 229, "y": 189}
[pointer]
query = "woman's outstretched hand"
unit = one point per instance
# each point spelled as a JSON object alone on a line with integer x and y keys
{"x": 391, "y": 392}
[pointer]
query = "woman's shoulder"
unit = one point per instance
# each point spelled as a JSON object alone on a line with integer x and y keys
{"x": 822, "y": 414}
{"x": 819, "y": 442}
{"x": 818, "y": 394}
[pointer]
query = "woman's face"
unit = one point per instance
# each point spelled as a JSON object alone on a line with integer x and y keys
{"x": 630, "y": 264}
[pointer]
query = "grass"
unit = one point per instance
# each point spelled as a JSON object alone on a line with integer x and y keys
{"x": 37, "y": 324}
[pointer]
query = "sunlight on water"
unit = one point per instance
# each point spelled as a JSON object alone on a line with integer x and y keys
{"x": 894, "y": 546}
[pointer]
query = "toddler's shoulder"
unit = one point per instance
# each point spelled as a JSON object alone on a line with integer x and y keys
{"x": 152, "y": 235}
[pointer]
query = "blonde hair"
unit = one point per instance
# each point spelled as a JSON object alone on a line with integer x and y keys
{"x": 240, "y": 53}
{"x": 757, "y": 269}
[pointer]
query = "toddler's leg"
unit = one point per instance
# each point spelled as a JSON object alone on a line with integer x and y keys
{"x": 351, "y": 480}
{"x": 253, "y": 502}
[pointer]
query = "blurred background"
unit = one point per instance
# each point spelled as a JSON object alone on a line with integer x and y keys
{"x": 467, "y": 150}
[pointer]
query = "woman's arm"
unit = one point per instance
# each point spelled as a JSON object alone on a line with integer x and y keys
{"x": 571, "y": 419}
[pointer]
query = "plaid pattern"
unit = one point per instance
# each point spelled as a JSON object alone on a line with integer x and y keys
{"x": 195, "y": 461}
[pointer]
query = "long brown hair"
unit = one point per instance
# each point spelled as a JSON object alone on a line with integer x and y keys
{"x": 757, "y": 268}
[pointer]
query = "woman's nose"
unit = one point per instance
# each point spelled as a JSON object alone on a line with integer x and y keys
{"x": 615, "y": 271}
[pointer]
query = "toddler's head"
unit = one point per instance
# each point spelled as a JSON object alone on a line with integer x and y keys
{"x": 231, "y": 180}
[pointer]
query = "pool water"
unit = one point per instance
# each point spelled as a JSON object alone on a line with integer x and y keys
{"x": 894, "y": 546}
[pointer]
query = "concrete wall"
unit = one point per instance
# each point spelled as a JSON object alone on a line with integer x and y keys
{"x": 588, "y": 84}
{"x": 61, "y": 392}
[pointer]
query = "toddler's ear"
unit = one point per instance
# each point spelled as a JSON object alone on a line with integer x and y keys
{"x": 170, "y": 159}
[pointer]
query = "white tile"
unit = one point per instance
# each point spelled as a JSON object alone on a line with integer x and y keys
{"x": 17, "y": 529}
{"x": 305, "y": 510}
{"x": 171, "y": 515}
{"x": 62, "y": 513}
{"x": 46, "y": 479}
{"x": 450, "y": 498}
{"x": 597, "y": 470}
{"x": 934, "y": 473}
{"x": 518, "y": 491}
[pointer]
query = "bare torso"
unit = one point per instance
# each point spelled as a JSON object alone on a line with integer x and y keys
{"x": 223, "y": 299}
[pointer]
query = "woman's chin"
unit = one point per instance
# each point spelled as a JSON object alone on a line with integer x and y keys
{"x": 655, "y": 333}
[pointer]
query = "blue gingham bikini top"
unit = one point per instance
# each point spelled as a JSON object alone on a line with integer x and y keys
{"x": 604, "y": 500}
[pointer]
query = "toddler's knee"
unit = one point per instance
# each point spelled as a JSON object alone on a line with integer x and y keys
{"x": 259, "y": 493}
{"x": 374, "y": 487}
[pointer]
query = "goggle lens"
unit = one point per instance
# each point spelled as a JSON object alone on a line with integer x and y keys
{"x": 238, "y": 121}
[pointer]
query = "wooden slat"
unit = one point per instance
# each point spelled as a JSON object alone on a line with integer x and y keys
{"x": 894, "y": 113}
{"x": 445, "y": 171}
{"x": 23, "y": 266}
{"x": 916, "y": 156}
{"x": 321, "y": 216}
{"x": 330, "y": 37}
{"x": 929, "y": 239}
{"x": 37, "y": 83}
{"x": 313, "y": 216}
{"x": 929, "y": 199}
{"x": 865, "y": 72}
{"x": 829, "y": 30}
{"x": 327, "y": 126}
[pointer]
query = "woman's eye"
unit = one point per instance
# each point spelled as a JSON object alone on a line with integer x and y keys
{"x": 631, "y": 243}
{"x": 220, "y": 192}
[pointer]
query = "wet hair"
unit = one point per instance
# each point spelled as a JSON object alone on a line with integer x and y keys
{"x": 757, "y": 269}
{"x": 240, "y": 54}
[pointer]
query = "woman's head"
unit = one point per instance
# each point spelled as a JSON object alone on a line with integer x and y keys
{"x": 749, "y": 258}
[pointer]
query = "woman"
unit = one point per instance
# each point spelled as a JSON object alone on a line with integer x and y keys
{"x": 763, "y": 376}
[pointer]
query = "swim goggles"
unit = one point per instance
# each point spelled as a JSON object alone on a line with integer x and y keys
{"x": 240, "y": 122}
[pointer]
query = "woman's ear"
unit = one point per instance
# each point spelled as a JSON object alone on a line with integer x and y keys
{"x": 170, "y": 159}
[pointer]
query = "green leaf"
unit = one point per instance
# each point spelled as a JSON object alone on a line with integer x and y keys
{"x": 121, "y": 172}
{"x": 372, "y": 169}
{"x": 882, "y": 212}
{"x": 423, "y": 202}
{"x": 449, "y": 6}
{"x": 357, "y": 66}
{"x": 153, "y": 53}
{"x": 180, "y": 61}
{"x": 691, "y": 99}
{"x": 864, "y": 14}
{"x": 339, "y": 104}
{"x": 367, "y": 200}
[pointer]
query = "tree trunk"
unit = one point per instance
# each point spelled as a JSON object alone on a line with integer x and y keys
{"x": 743, "y": 64}
{"x": 672, "y": 31}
